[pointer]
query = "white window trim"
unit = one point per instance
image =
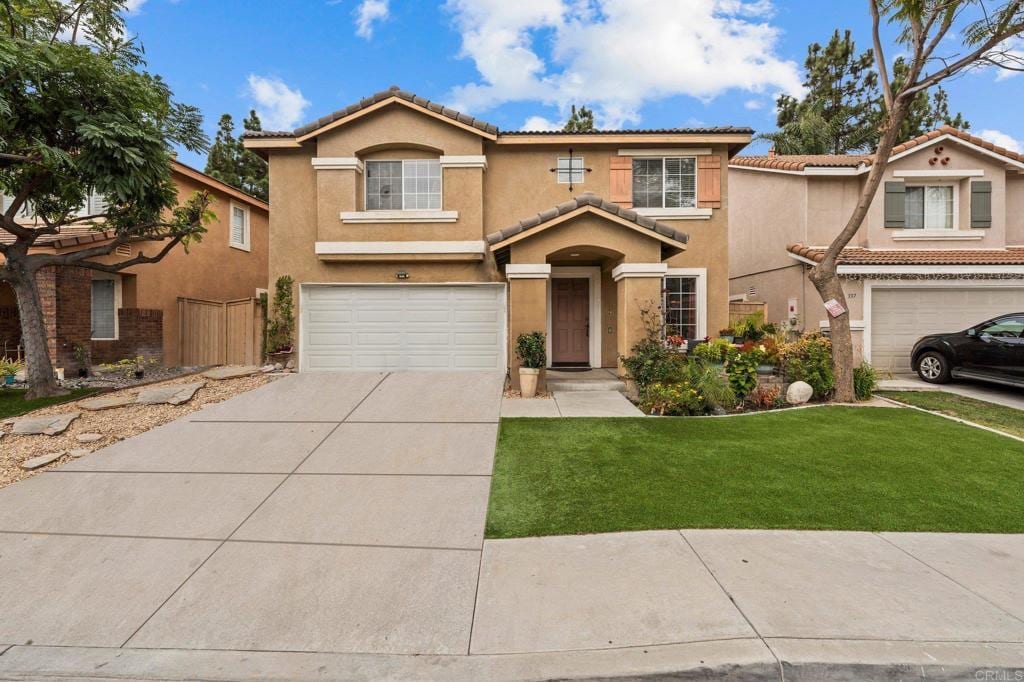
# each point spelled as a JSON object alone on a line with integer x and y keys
{"x": 393, "y": 216}
{"x": 570, "y": 159}
{"x": 403, "y": 210}
{"x": 956, "y": 208}
{"x": 246, "y": 243}
{"x": 939, "y": 173}
{"x": 681, "y": 211}
{"x": 384, "y": 248}
{"x": 871, "y": 284}
{"x": 673, "y": 152}
{"x": 701, "y": 275}
{"x": 910, "y": 234}
{"x": 118, "y": 304}
{"x": 593, "y": 273}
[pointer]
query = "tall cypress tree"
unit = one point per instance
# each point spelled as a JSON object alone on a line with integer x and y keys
{"x": 230, "y": 162}
{"x": 580, "y": 120}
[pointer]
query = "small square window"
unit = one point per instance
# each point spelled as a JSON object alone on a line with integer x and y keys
{"x": 570, "y": 170}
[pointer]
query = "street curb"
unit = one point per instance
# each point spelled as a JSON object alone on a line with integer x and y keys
{"x": 735, "y": 659}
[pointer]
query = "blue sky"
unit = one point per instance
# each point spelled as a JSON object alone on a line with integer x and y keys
{"x": 517, "y": 63}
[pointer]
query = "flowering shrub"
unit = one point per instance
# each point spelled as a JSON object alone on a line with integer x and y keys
{"x": 809, "y": 359}
{"x": 714, "y": 351}
{"x": 674, "y": 399}
{"x": 741, "y": 368}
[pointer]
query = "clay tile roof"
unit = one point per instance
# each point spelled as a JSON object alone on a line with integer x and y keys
{"x": 69, "y": 235}
{"x": 798, "y": 162}
{"x": 707, "y": 130}
{"x": 860, "y": 256}
{"x": 587, "y": 199}
{"x": 393, "y": 91}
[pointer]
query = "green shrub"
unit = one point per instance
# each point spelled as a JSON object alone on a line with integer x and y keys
{"x": 281, "y": 328}
{"x": 741, "y": 368}
{"x": 865, "y": 381}
{"x": 809, "y": 359}
{"x": 714, "y": 350}
{"x": 699, "y": 389}
{"x": 651, "y": 362}
{"x": 711, "y": 383}
{"x": 531, "y": 350}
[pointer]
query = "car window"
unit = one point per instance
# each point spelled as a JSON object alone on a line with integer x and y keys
{"x": 1005, "y": 328}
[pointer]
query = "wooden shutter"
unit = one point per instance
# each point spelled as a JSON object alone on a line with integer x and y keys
{"x": 981, "y": 203}
{"x": 895, "y": 204}
{"x": 621, "y": 182}
{"x": 709, "y": 181}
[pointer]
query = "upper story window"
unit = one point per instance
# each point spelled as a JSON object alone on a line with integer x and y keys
{"x": 929, "y": 207}
{"x": 669, "y": 182}
{"x": 239, "y": 232}
{"x": 570, "y": 170}
{"x": 407, "y": 185}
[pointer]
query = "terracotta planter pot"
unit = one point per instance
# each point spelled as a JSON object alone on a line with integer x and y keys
{"x": 528, "y": 381}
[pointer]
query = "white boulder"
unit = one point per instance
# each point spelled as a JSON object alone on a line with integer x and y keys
{"x": 798, "y": 393}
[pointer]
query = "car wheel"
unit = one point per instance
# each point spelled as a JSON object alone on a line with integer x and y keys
{"x": 933, "y": 368}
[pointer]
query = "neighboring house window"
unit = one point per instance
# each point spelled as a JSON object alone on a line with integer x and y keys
{"x": 669, "y": 182}
{"x": 570, "y": 170}
{"x": 929, "y": 207}
{"x": 104, "y": 309}
{"x": 239, "y": 233}
{"x": 680, "y": 306}
{"x": 409, "y": 185}
{"x": 24, "y": 212}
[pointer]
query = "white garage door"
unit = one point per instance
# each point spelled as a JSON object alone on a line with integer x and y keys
{"x": 402, "y": 327}
{"x": 900, "y": 316}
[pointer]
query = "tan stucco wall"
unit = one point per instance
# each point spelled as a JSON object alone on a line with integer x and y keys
{"x": 211, "y": 269}
{"x": 766, "y": 212}
{"x": 776, "y": 287}
{"x": 1015, "y": 210}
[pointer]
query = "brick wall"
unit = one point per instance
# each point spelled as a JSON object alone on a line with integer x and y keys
{"x": 65, "y": 295}
{"x": 140, "y": 332}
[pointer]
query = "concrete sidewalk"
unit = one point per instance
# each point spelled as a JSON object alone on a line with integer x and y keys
{"x": 993, "y": 393}
{"x": 572, "y": 404}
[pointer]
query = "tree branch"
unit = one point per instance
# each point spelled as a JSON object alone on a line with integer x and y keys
{"x": 883, "y": 70}
{"x": 960, "y": 64}
{"x": 140, "y": 259}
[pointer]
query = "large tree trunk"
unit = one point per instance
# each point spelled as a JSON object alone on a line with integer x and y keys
{"x": 41, "y": 379}
{"x": 829, "y": 286}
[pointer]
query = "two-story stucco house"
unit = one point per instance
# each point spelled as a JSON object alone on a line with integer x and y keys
{"x": 942, "y": 247}
{"x": 421, "y": 238}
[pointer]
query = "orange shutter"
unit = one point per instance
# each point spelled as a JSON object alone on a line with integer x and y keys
{"x": 709, "y": 181}
{"x": 621, "y": 184}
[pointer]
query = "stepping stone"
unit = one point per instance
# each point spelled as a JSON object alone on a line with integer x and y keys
{"x": 49, "y": 425}
{"x": 169, "y": 395}
{"x": 89, "y": 437}
{"x": 97, "y": 404}
{"x": 41, "y": 461}
{"x": 231, "y": 372}
{"x": 79, "y": 452}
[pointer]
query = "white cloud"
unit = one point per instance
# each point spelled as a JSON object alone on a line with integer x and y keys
{"x": 540, "y": 123}
{"x": 1001, "y": 139}
{"x": 133, "y": 6}
{"x": 753, "y": 104}
{"x": 616, "y": 55}
{"x": 368, "y": 13}
{"x": 1014, "y": 58}
{"x": 279, "y": 106}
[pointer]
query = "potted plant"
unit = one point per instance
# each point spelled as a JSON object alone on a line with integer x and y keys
{"x": 8, "y": 369}
{"x": 532, "y": 354}
{"x": 81, "y": 352}
{"x": 729, "y": 334}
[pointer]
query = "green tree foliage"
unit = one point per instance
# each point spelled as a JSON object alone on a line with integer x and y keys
{"x": 580, "y": 120}
{"x": 843, "y": 107}
{"x": 229, "y": 161}
{"x": 80, "y": 115}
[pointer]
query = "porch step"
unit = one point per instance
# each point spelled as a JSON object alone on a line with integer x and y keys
{"x": 586, "y": 385}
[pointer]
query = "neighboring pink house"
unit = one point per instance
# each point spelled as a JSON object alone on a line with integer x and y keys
{"x": 942, "y": 247}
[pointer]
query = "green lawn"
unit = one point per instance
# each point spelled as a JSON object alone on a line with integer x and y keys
{"x": 978, "y": 411}
{"x": 13, "y": 403}
{"x": 827, "y": 468}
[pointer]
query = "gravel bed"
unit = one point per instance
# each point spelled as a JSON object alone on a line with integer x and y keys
{"x": 114, "y": 424}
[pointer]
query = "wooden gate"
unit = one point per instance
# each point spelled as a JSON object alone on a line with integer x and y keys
{"x": 220, "y": 332}
{"x": 740, "y": 310}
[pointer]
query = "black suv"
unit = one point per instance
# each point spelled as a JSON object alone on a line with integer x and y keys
{"x": 990, "y": 351}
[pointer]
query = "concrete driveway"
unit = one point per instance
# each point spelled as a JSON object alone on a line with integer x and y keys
{"x": 339, "y": 512}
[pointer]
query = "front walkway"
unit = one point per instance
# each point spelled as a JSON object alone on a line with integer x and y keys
{"x": 330, "y": 527}
{"x": 572, "y": 404}
{"x": 1007, "y": 396}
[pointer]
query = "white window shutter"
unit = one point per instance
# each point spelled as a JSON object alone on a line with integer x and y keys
{"x": 97, "y": 203}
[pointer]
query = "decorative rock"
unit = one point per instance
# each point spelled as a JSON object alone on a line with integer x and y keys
{"x": 49, "y": 425}
{"x": 175, "y": 394}
{"x": 89, "y": 437}
{"x": 79, "y": 452}
{"x": 41, "y": 461}
{"x": 266, "y": 369}
{"x": 97, "y": 404}
{"x": 231, "y": 372}
{"x": 290, "y": 364}
{"x": 278, "y": 366}
{"x": 799, "y": 392}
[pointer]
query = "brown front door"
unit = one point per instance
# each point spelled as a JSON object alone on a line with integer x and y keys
{"x": 570, "y": 320}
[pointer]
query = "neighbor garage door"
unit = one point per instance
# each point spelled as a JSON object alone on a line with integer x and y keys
{"x": 900, "y": 316}
{"x": 402, "y": 327}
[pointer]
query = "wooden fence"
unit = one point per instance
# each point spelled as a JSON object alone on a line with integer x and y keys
{"x": 220, "y": 332}
{"x": 740, "y": 310}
